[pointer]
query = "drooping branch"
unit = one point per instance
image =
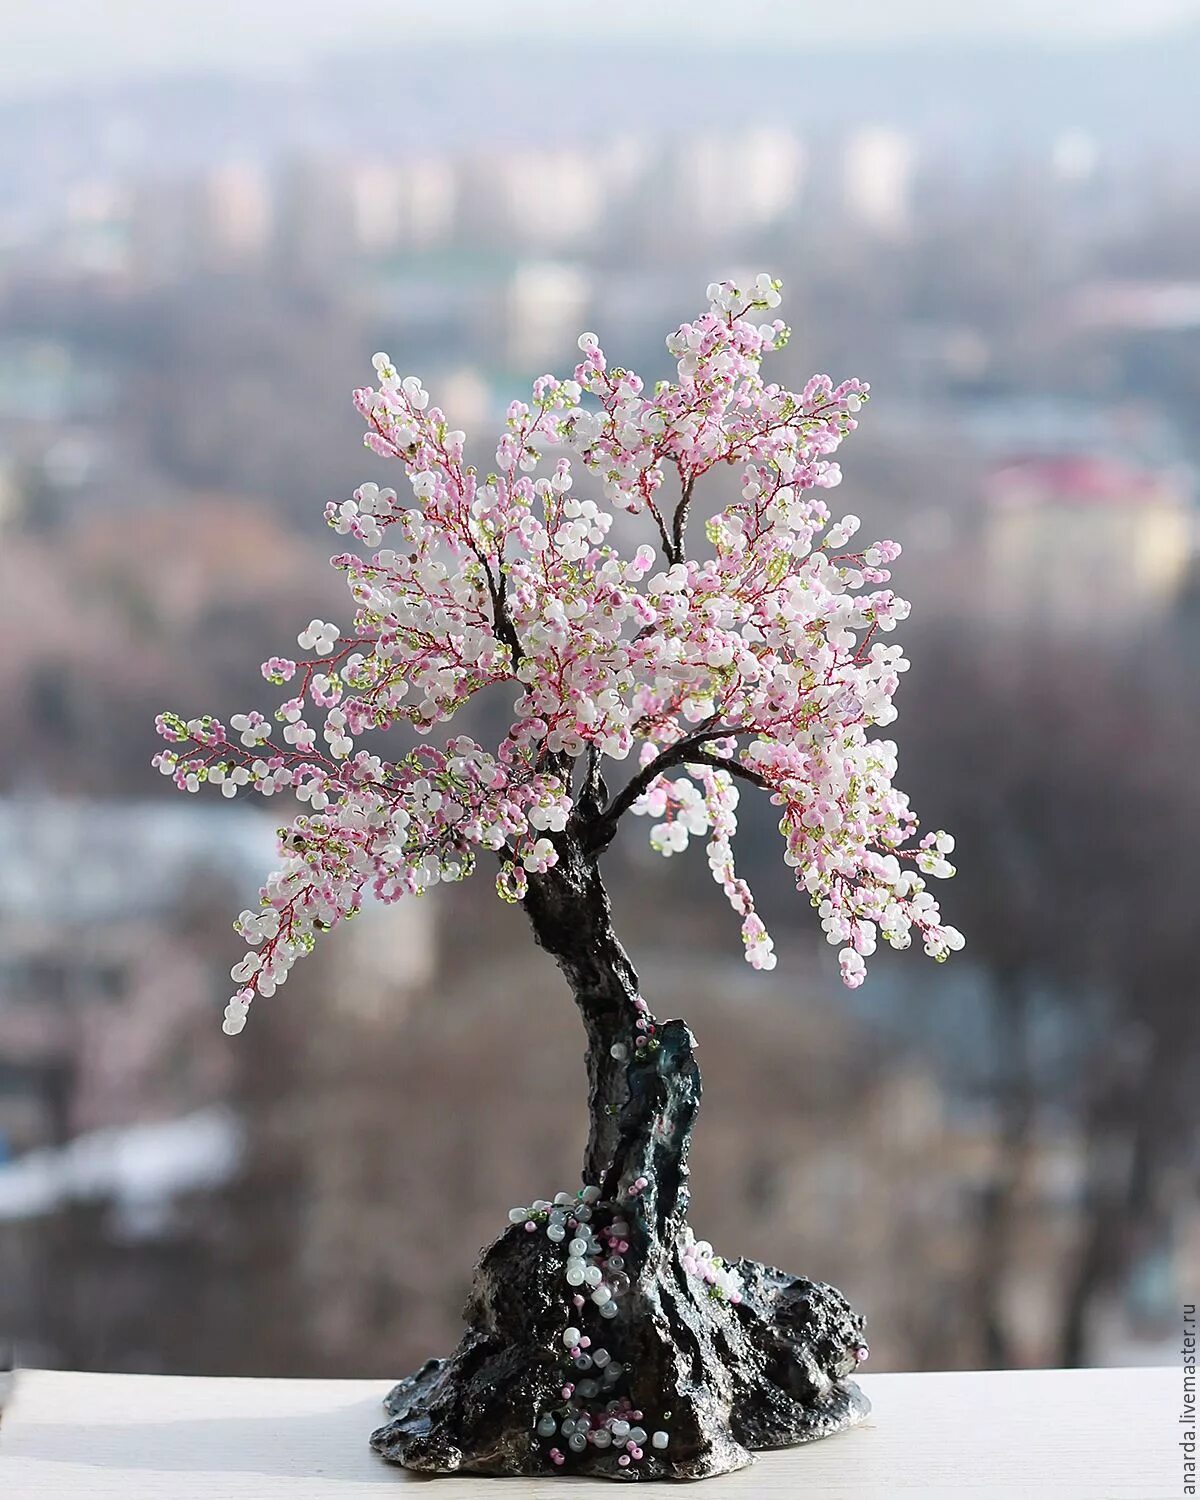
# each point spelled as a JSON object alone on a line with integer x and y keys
{"x": 689, "y": 749}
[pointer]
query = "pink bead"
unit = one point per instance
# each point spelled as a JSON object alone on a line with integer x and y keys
{"x": 624, "y": 1460}
{"x": 577, "y": 1300}
{"x": 566, "y": 1390}
{"x": 530, "y": 1227}
{"x": 585, "y": 1342}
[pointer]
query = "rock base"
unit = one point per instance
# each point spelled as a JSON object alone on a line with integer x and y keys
{"x": 602, "y": 1339}
{"x": 719, "y": 1378}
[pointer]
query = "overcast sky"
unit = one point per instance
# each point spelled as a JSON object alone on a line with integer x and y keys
{"x": 52, "y": 41}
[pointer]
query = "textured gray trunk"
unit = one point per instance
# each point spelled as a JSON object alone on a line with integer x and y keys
{"x": 720, "y": 1378}
{"x": 569, "y": 910}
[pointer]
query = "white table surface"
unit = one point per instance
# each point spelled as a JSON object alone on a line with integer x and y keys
{"x": 1070, "y": 1435}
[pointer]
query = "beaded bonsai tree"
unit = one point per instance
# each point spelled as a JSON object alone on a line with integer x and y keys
{"x": 602, "y": 1338}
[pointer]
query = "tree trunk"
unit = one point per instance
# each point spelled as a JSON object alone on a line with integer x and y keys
{"x": 701, "y": 1360}
{"x": 569, "y": 910}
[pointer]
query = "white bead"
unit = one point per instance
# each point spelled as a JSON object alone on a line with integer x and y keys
{"x": 601, "y": 1358}
{"x": 638, "y": 1434}
{"x": 619, "y": 1050}
{"x": 517, "y": 1215}
{"x": 577, "y": 1247}
{"x": 601, "y": 1295}
{"x": 620, "y": 1430}
{"x": 547, "y": 1426}
{"x": 575, "y": 1274}
{"x": 593, "y": 1276}
{"x": 660, "y": 1440}
{"x": 602, "y": 1437}
{"x": 591, "y": 1194}
{"x": 556, "y": 1233}
{"x": 571, "y": 1337}
{"x": 563, "y": 1200}
{"x": 609, "y": 1310}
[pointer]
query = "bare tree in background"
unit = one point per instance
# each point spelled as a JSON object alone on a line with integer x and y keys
{"x": 1082, "y": 913}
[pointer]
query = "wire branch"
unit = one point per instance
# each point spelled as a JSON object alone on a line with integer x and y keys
{"x": 734, "y": 768}
{"x": 662, "y": 530}
{"x": 679, "y": 522}
{"x": 604, "y": 827}
{"x": 501, "y": 619}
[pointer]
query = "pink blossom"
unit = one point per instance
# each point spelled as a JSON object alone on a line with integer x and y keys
{"x": 755, "y": 659}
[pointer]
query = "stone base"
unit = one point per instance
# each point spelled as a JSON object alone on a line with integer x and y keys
{"x": 603, "y": 1340}
{"x": 719, "y": 1378}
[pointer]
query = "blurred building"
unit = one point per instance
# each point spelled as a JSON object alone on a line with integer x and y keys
{"x": 877, "y": 179}
{"x": 404, "y": 204}
{"x": 108, "y": 991}
{"x": 315, "y": 227}
{"x": 114, "y": 950}
{"x": 707, "y": 188}
{"x": 546, "y": 304}
{"x": 1077, "y": 545}
{"x": 554, "y": 197}
{"x": 239, "y": 216}
{"x": 1146, "y": 306}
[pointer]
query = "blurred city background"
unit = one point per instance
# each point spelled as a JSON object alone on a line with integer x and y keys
{"x": 210, "y": 218}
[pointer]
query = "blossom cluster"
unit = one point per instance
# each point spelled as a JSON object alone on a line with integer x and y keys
{"x": 721, "y": 1280}
{"x": 761, "y": 661}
